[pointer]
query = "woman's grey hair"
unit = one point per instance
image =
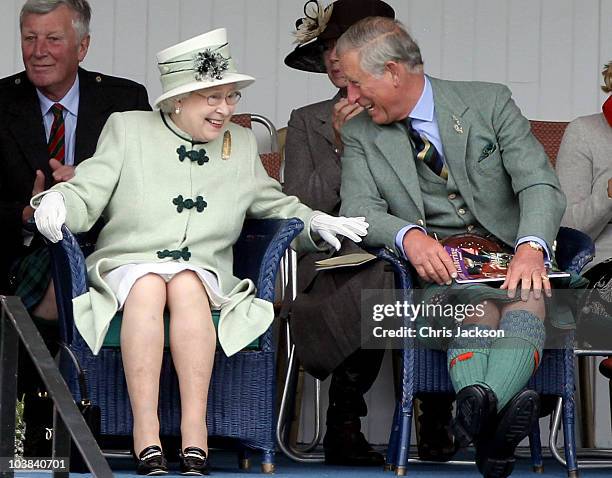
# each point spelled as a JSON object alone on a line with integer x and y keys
{"x": 607, "y": 78}
{"x": 80, "y": 7}
{"x": 169, "y": 104}
{"x": 379, "y": 40}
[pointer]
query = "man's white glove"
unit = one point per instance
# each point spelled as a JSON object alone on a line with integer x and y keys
{"x": 328, "y": 226}
{"x": 50, "y": 215}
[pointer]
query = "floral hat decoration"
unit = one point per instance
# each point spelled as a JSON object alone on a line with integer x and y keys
{"x": 322, "y": 23}
{"x": 200, "y": 62}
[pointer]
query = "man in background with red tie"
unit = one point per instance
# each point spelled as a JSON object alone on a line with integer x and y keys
{"x": 52, "y": 115}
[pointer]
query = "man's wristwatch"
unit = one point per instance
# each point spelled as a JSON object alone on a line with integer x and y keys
{"x": 536, "y": 246}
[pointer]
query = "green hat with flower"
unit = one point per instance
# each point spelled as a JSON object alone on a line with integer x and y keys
{"x": 200, "y": 62}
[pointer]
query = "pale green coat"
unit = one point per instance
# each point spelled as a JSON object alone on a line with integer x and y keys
{"x": 132, "y": 180}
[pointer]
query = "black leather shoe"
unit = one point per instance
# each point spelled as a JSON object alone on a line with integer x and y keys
{"x": 435, "y": 441}
{"x": 38, "y": 417}
{"x": 38, "y": 440}
{"x": 495, "y": 456}
{"x": 350, "y": 448}
{"x": 437, "y": 445}
{"x": 194, "y": 462}
{"x": 476, "y": 408}
{"x": 151, "y": 461}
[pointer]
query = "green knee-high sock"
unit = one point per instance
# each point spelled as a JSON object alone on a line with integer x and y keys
{"x": 468, "y": 357}
{"x": 515, "y": 356}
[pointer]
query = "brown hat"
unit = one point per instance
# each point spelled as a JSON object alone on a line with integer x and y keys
{"x": 328, "y": 23}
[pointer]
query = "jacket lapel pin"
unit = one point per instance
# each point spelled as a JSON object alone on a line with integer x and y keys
{"x": 458, "y": 127}
{"x": 226, "y": 150}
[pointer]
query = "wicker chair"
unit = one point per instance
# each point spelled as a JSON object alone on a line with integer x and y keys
{"x": 271, "y": 160}
{"x": 242, "y": 394}
{"x": 242, "y": 391}
{"x": 549, "y": 134}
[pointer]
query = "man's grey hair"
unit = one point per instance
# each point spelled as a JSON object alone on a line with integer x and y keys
{"x": 80, "y": 7}
{"x": 379, "y": 40}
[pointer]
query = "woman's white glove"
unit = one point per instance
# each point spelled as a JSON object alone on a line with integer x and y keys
{"x": 50, "y": 215}
{"x": 328, "y": 226}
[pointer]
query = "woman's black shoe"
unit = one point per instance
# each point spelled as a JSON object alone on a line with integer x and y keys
{"x": 151, "y": 461}
{"x": 434, "y": 438}
{"x": 194, "y": 461}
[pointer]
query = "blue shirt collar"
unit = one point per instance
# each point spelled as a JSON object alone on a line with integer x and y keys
{"x": 424, "y": 109}
{"x": 70, "y": 101}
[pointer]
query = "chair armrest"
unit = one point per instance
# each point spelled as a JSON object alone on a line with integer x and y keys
{"x": 401, "y": 267}
{"x": 259, "y": 249}
{"x": 69, "y": 279}
{"x": 257, "y": 256}
{"x": 575, "y": 249}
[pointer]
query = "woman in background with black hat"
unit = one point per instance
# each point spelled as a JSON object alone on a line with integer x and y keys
{"x": 326, "y": 314}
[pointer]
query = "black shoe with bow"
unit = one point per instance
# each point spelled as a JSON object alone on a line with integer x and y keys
{"x": 194, "y": 462}
{"x": 495, "y": 454}
{"x": 151, "y": 461}
{"x": 476, "y": 410}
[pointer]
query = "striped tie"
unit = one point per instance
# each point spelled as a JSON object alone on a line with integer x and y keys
{"x": 56, "y": 137}
{"x": 426, "y": 152}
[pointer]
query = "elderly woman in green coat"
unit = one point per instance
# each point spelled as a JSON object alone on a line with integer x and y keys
{"x": 174, "y": 187}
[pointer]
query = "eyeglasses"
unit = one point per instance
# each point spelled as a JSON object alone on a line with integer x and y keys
{"x": 216, "y": 99}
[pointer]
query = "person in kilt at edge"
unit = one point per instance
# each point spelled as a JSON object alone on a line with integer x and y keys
{"x": 54, "y": 112}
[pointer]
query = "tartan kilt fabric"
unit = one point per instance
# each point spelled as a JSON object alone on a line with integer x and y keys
{"x": 32, "y": 274}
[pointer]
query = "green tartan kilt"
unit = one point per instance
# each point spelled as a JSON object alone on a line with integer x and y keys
{"x": 560, "y": 314}
{"x": 32, "y": 275}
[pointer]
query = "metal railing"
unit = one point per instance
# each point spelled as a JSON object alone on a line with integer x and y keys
{"x": 17, "y": 327}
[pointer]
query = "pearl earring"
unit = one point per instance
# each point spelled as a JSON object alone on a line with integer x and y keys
{"x": 177, "y": 109}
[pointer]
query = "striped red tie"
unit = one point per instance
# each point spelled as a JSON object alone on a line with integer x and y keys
{"x": 56, "y": 137}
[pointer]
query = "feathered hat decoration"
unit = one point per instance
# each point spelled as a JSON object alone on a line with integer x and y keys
{"x": 314, "y": 22}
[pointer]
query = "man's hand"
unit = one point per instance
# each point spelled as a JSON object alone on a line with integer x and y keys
{"x": 61, "y": 172}
{"x": 39, "y": 187}
{"x": 343, "y": 111}
{"x": 429, "y": 258}
{"x": 527, "y": 267}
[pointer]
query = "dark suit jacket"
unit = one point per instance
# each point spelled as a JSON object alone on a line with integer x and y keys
{"x": 23, "y": 146}
{"x": 325, "y": 318}
{"x": 312, "y": 170}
